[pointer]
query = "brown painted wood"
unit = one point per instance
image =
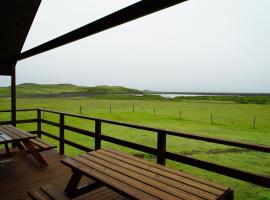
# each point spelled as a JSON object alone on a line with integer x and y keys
{"x": 171, "y": 172}
{"x": 161, "y": 147}
{"x": 132, "y": 12}
{"x": 107, "y": 180}
{"x": 42, "y": 144}
{"x": 80, "y": 131}
{"x": 131, "y": 145}
{"x": 160, "y": 186}
{"x": 13, "y": 95}
{"x": 37, "y": 194}
{"x": 247, "y": 145}
{"x": 30, "y": 175}
{"x": 6, "y": 147}
{"x": 228, "y": 171}
{"x": 97, "y": 134}
{"x": 143, "y": 177}
{"x": 156, "y": 176}
{"x": 73, "y": 183}
{"x": 53, "y": 193}
{"x": 19, "y": 131}
{"x": 62, "y": 134}
{"x": 35, "y": 153}
{"x": 39, "y": 123}
{"x": 76, "y": 145}
{"x": 16, "y": 135}
{"x": 126, "y": 179}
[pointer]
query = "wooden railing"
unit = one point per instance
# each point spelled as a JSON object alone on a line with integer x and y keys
{"x": 160, "y": 151}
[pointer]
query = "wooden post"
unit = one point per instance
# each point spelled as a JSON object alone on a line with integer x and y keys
{"x": 180, "y": 115}
{"x": 62, "y": 134}
{"x": 13, "y": 98}
{"x": 161, "y": 148}
{"x": 110, "y": 108}
{"x": 39, "y": 123}
{"x": 13, "y": 95}
{"x": 211, "y": 118}
{"x": 80, "y": 109}
{"x": 97, "y": 134}
{"x": 43, "y": 113}
{"x": 154, "y": 111}
{"x": 133, "y": 109}
{"x": 254, "y": 121}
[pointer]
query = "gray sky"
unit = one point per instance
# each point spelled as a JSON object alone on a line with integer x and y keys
{"x": 199, "y": 45}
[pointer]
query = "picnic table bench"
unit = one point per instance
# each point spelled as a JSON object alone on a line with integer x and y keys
{"x": 139, "y": 179}
{"x": 46, "y": 192}
{"x": 24, "y": 141}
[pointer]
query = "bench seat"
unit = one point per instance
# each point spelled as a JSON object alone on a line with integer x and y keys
{"x": 42, "y": 145}
{"x": 46, "y": 192}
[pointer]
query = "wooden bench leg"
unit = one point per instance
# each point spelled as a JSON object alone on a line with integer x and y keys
{"x": 20, "y": 146}
{"x": 7, "y": 149}
{"x": 74, "y": 190}
{"x": 73, "y": 183}
{"x": 230, "y": 195}
{"x": 34, "y": 152}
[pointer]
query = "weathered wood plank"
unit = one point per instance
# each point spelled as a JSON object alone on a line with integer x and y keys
{"x": 155, "y": 176}
{"x": 107, "y": 179}
{"x": 170, "y": 173}
{"x": 162, "y": 187}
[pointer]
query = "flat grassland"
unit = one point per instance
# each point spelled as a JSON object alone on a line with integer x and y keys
{"x": 229, "y": 120}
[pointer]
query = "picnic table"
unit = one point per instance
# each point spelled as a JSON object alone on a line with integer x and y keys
{"x": 136, "y": 178}
{"x": 10, "y": 134}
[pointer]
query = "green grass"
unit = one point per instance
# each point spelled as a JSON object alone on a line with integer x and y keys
{"x": 230, "y": 121}
{"x": 37, "y": 90}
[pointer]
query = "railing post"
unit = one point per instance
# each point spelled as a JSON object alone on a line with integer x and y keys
{"x": 62, "y": 134}
{"x": 97, "y": 134}
{"x": 161, "y": 147}
{"x": 39, "y": 123}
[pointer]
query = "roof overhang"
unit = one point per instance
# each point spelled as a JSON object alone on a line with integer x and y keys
{"x": 16, "y": 18}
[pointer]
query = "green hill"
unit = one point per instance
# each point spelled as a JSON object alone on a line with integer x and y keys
{"x": 112, "y": 90}
{"x": 65, "y": 90}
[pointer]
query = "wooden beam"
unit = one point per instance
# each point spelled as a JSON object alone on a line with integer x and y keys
{"x": 13, "y": 95}
{"x": 132, "y": 12}
{"x": 5, "y": 71}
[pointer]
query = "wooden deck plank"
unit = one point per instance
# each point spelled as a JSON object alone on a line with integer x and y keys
{"x": 36, "y": 194}
{"x": 51, "y": 192}
{"x": 30, "y": 175}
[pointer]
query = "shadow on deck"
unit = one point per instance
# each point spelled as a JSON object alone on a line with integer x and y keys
{"x": 21, "y": 173}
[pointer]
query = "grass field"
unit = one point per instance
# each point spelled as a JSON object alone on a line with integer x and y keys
{"x": 230, "y": 120}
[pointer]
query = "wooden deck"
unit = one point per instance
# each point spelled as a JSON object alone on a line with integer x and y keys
{"x": 22, "y": 173}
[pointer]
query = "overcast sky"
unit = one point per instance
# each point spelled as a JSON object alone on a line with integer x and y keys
{"x": 199, "y": 45}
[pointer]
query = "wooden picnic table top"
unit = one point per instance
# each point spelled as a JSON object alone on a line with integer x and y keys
{"x": 9, "y": 133}
{"x": 141, "y": 179}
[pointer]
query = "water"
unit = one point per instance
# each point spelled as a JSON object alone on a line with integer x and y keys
{"x": 173, "y": 95}
{"x": 178, "y": 95}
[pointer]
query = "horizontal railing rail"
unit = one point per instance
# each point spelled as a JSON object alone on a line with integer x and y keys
{"x": 160, "y": 151}
{"x": 246, "y": 145}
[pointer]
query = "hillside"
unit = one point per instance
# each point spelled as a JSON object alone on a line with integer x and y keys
{"x": 65, "y": 90}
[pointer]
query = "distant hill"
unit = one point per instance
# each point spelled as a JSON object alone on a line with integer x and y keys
{"x": 64, "y": 90}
